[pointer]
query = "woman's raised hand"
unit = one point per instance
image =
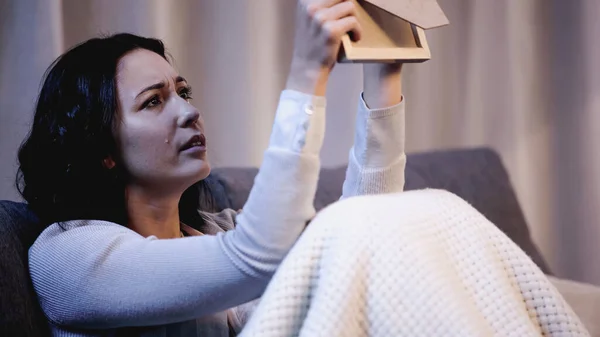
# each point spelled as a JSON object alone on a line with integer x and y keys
{"x": 320, "y": 25}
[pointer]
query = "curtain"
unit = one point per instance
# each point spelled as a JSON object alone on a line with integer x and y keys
{"x": 519, "y": 76}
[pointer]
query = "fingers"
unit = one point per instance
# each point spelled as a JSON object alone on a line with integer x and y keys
{"x": 328, "y": 3}
{"x": 338, "y": 19}
{"x": 337, "y": 11}
{"x": 313, "y": 6}
{"x": 336, "y": 29}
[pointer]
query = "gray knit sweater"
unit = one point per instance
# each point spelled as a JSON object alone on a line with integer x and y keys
{"x": 97, "y": 278}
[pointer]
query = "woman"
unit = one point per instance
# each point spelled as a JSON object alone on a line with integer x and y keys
{"x": 111, "y": 166}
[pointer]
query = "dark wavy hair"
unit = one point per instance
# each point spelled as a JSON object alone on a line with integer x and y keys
{"x": 61, "y": 172}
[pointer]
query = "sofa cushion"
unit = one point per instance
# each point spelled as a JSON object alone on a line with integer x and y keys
{"x": 476, "y": 175}
{"x": 20, "y": 313}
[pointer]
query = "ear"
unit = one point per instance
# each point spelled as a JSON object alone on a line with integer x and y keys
{"x": 108, "y": 162}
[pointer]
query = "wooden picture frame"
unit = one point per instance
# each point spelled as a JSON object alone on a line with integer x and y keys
{"x": 386, "y": 38}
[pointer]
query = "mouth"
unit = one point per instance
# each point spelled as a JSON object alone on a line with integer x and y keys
{"x": 196, "y": 143}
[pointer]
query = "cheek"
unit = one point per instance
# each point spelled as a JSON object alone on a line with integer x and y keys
{"x": 143, "y": 147}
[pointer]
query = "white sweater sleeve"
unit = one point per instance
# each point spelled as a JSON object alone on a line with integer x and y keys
{"x": 97, "y": 274}
{"x": 377, "y": 160}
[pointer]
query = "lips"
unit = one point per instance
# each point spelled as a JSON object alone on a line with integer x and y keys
{"x": 197, "y": 141}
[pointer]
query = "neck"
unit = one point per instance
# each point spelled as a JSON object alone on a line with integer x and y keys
{"x": 153, "y": 214}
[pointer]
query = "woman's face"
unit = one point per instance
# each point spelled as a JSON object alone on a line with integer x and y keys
{"x": 161, "y": 135}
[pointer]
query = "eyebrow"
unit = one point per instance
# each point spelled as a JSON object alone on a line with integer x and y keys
{"x": 160, "y": 85}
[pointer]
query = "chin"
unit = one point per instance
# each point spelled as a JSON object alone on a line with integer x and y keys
{"x": 192, "y": 173}
{"x": 202, "y": 172}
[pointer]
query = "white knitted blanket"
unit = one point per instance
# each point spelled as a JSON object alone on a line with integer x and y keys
{"x": 421, "y": 263}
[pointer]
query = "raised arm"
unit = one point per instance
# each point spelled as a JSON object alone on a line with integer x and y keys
{"x": 377, "y": 160}
{"x": 96, "y": 274}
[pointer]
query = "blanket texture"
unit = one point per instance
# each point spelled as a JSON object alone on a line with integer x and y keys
{"x": 422, "y": 263}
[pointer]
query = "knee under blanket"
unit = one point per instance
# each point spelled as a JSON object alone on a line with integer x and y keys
{"x": 421, "y": 263}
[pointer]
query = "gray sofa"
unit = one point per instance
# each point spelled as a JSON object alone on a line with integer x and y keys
{"x": 476, "y": 175}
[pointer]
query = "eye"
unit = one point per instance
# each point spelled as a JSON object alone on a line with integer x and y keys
{"x": 186, "y": 93}
{"x": 152, "y": 102}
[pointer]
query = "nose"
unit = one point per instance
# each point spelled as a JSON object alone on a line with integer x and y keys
{"x": 189, "y": 117}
